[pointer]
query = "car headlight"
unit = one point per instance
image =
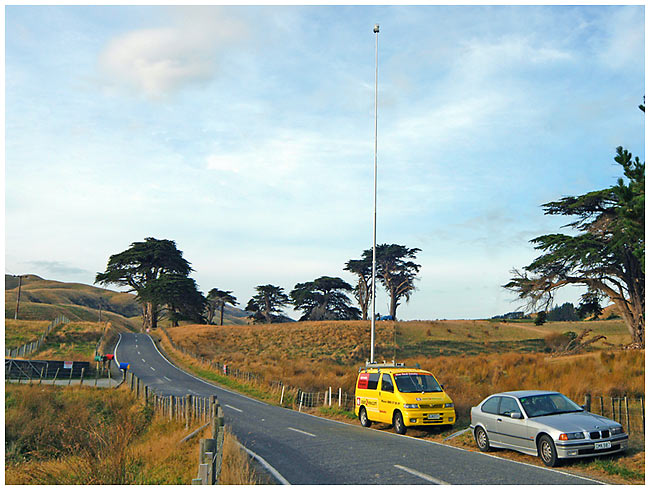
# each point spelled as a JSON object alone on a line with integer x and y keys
{"x": 616, "y": 430}
{"x": 572, "y": 436}
{"x": 449, "y": 405}
{"x": 411, "y": 405}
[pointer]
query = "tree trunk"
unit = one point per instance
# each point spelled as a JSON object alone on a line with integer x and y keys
{"x": 393, "y": 304}
{"x": 146, "y": 321}
{"x": 363, "y": 298}
{"x": 222, "y": 305}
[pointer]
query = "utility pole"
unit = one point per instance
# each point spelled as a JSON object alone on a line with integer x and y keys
{"x": 20, "y": 283}
{"x": 374, "y": 225}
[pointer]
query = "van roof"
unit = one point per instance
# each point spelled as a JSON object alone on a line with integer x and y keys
{"x": 392, "y": 369}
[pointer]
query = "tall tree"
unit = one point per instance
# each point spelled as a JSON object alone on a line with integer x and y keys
{"x": 396, "y": 272}
{"x": 363, "y": 269}
{"x": 178, "y": 296}
{"x": 267, "y": 304}
{"x": 140, "y": 265}
{"x": 324, "y": 298}
{"x": 606, "y": 254}
{"x": 217, "y": 300}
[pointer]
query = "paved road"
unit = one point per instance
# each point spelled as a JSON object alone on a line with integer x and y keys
{"x": 309, "y": 450}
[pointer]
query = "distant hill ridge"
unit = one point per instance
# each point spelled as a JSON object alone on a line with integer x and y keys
{"x": 43, "y": 299}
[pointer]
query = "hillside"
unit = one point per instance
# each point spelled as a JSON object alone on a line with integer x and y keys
{"x": 42, "y": 299}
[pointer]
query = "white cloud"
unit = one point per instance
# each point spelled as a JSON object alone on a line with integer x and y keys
{"x": 160, "y": 61}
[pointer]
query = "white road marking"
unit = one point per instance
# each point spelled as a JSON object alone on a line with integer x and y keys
{"x": 235, "y": 409}
{"x": 166, "y": 378}
{"x": 143, "y": 360}
{"x": 152, "y": 368}
{"x": 301, "y": 431}
{"x": 424, "y": 476}
{"x": 264, "y": 463}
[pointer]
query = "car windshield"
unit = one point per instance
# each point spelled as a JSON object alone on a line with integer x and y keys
{"x": 548, "y": 404}
{"x": 416, "y": 383}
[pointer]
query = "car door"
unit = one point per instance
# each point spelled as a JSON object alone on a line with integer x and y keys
{"x": 512, "y": 431}
{"x": 489, "y": 412}
{"x": 387, "y": 401}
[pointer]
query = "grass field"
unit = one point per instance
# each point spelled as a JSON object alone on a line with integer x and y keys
{"x": 19, "y": 332}
{"x": 316, "y": 355}
{"x": 85, "y": 436}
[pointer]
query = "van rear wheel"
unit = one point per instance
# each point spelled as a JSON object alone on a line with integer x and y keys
{"x": 363, "y": 417}
{"x": 398, "y": 423}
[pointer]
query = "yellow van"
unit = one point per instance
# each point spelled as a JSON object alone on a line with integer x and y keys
{"x": 401, "y": 396}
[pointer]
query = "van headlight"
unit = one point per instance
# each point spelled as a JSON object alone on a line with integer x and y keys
{"x": 411, "y": 405}
{"x": 449, "y": 405}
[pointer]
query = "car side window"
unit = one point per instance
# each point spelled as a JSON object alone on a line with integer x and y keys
{"x": 508, "y": 406}
{"x": 491, "y": 406}
{"x": 387, "y": 383}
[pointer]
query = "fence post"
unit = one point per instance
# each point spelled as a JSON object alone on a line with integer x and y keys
{"x": 602, "y": 411}
{"x": 301, "y": 396}
{"x": 41, "y": 380}
{"x": 81, "y": 381}
{"x": 282, "y": 395}
{"x": 55, "y": 375}
{"x": 146, "y": 395}
{"x": 70, "y": 378}
{"x": 613, "y": 411}
{"x": 620, "y": 411}
{"x": 588, "y": 402}
{"x": 188, "y": 401}
{"x": 137, "y": 387}
{"x": 627, "y": 414}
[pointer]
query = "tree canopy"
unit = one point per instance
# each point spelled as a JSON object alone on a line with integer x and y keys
{"x": 217, "y": 300}
{"x": 605, "y": 254}
{"x": 324, "y": 298}
{"x": 266, "y": 306}
{"x": 139, "y": 266}
{"x": 363, "y": 269}
{"x": 178, "y": 295}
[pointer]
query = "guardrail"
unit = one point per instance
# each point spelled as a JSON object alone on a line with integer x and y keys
{"x": 30, "y": 347}
{"x": 192, "y": 410}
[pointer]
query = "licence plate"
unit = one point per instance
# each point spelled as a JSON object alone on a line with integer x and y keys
{"x": 603, "y": 445}
{"x": 433, "y": 416}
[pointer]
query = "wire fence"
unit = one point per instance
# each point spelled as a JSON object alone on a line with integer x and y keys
{"x": 292, "y": 396}
{"x": 192, "y": 410}
{"x": 627, "y": 411}
{"x": 31, "y": 347}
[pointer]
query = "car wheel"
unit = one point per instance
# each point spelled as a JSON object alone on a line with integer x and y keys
{"x": 363, "y": 417}
{"x": 398, "y": 423}
{"x": 482, "y": 440}
{"x": 547, "y": 452}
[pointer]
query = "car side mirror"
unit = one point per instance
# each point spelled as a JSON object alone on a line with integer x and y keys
{"x": 516, "y": 415}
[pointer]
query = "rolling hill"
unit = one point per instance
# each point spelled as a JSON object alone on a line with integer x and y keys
{"x": 43, "y": 299}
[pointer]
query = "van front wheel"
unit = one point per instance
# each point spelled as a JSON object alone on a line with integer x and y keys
{"x": 363, "y": 417}
{"x": 398, "y": 423}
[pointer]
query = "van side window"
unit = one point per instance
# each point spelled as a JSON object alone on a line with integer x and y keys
{"x": 387, "y": 383}
{"x": 491, "y": 406}
{"x": 373, "y": 381}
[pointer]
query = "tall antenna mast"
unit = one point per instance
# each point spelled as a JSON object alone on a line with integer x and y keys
{"x": 374, "y": 224}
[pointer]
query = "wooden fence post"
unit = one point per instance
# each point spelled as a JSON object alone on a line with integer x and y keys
{"x": 627, "y": 414}
{"x": 588, "y": 402}
{"x": 188, "y": 401}
{"x": 81, "y": 381}
{"x": 55, "y": 375}
{"x": 602, "y": 411}
{"x": 613, "y": 411}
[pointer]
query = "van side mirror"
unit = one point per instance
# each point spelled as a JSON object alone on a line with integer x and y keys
{"x": 442, "y": 387}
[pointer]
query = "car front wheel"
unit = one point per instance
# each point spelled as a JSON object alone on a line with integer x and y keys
{"x": 482, "y": 440}
{"x": 547, "y": 451}
{"x": 363, "y": 418}
{"x": 398, "y": 423}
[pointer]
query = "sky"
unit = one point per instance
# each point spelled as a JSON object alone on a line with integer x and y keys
{"x": 246, "y": 135}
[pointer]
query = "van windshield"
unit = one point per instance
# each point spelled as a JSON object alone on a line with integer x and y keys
{"x": 416, "y": 383}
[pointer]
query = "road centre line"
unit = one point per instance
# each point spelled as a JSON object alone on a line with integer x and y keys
{"x": 235, "y": 409}
{"x": 301, "y": 431}
{"x": 166, "y": 378}
{"x": 143, "y": 360}
{"x": 152, "y": 368}
{"x": 424, "y": 476}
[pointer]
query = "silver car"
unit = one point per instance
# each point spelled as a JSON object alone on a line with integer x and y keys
{"x": 545, "y": 424}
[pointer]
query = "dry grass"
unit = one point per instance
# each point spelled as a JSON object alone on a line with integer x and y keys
{"x": 87, "y": 436}
{"x": 19, "y": 332}
{"x": 74, "y": 341}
